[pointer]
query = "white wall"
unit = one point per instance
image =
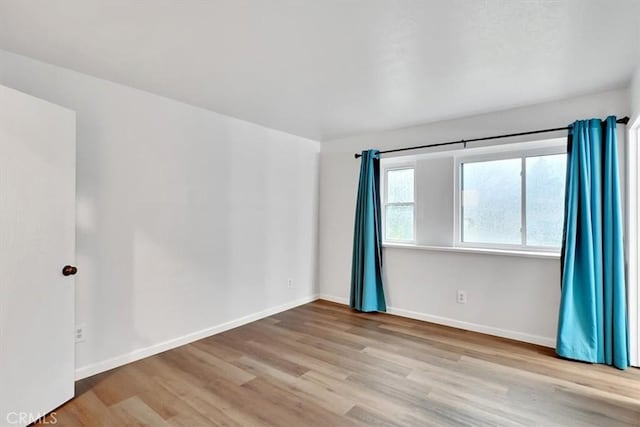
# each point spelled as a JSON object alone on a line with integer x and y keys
{"x": 187, "y": 219}
{"x": 507, "y": 295}
{"x": 635, "y": 96}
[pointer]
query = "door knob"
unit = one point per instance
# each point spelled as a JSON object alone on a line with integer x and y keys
{"x": 69, "y": 270}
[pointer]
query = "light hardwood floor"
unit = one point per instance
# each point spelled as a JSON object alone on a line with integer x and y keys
{"x": 323, "y": 365}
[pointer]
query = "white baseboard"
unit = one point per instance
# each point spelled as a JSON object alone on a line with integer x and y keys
{"x": 483, "y": 329}
{"x": 96, "y": 368}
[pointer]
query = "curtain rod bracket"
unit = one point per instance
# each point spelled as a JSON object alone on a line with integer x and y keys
{"x": 464, "y": 143}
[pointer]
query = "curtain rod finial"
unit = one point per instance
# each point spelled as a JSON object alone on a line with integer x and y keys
{"x": 357, "y": 156}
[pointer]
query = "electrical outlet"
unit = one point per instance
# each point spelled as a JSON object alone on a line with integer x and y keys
{"x": 290, "y": 283}
{"x": 461, "y": 297}
{"x": 79, "y": 334}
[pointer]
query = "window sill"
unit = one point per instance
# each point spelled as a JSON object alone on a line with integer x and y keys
{"x": 481, "y": 251}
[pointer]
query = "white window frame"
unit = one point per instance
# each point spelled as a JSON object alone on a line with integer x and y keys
{"x": 385, "y": 203}
{"x": 551, "y": 147}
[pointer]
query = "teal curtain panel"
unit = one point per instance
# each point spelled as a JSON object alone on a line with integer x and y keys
{"x": 367, "y": 292}
{"x": 592, "y": 324}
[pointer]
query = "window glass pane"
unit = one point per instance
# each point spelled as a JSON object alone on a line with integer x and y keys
{"x": 491, "y": 202}
{"x": 545, "y": 199}
{"x": 400, "y": 186}
{"x": 399, "y": 222}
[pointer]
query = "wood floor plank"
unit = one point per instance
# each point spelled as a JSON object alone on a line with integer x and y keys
{"x": 298, "y": 408}
{"x": 299, "y": 354}
{"x": 270, "y": 356}
{"x": 354, "y": 361}
{"x": 134, "y": 412}
{"x": 372, "y": 400}
{"x": 85, "y": 410}
{"x": 371, "y": 418}
{"x": 206, "y": 407}
{"x": 322, "y": 364}
{"x": 299, "y": 385}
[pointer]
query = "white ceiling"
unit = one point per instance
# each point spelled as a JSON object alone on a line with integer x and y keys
{"x": 328, "y": 68}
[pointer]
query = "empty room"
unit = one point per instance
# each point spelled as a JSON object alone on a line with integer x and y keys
{"x": 295, "y": 213}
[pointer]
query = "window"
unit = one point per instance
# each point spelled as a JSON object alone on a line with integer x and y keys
{"x": 513, "y": 201}
{"x": 399, "y": 206}
{"x": 507, "y": 197}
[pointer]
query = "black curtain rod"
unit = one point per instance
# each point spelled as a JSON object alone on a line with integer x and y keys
{"x": 623, "y": 121}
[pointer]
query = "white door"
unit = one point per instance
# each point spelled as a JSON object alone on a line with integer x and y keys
{"x": 37, "y": 239}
